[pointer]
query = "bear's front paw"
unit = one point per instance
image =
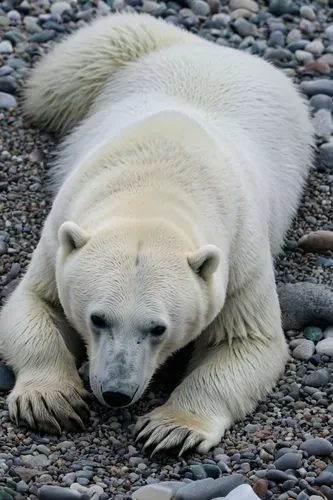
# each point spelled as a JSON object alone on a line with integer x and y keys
{"x": 49, "y": 409}
{"x": 168, "y": 427}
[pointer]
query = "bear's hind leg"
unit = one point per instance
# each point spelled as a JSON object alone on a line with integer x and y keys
{"x": 48, "y": 393}
{"x": 228, "y": 378}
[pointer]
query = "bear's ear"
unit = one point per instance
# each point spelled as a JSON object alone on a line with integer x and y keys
{"x": 205, "y": 261}
{"x": 72, "y": 237}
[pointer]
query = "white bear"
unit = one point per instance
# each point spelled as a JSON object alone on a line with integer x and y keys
{"x": 181, "y": 170}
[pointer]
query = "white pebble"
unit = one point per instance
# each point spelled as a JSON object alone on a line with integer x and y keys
{"x": 14, "y": 15}
{"x": 304, "y": 350}
{"x": 316, "y": 48}
{"x": 6, "y": 47}
{"x": 78, "y": 487}
{"x": 325, "y": 347}
{"x": 308, "y": 13}
{"x": 60, "y": 7}
{"x": 304, "y": 56}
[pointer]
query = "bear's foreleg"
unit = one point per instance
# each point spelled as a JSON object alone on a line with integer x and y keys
{"x": 48, "y": 393}
{"x": 228, "y": 378}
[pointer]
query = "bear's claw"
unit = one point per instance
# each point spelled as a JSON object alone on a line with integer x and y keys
{"x": 166, "y": 427}
{"x": 49, "y": 410}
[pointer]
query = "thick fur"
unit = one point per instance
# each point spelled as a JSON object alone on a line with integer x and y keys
{"x": 174, "y": 191}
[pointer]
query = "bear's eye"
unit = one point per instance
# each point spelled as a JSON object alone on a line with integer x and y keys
{"x": 158, "y": 330}
{"x": 98, "y": 321}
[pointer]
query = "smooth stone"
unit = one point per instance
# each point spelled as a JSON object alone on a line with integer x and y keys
{"x": 329, "y": 32}
{"x": 35, "y": 460}
{"x": 58, "y": 8}
{"x": 281, "y": 7}
{"x": 324, "y": 478}
{"x": 304, "y": 304}
{"x": 249, "y": 5}
{"x": 278, "y": 476}
{"x": 288, "y": 461}
{"x": 200, "y": 8}
{"x": 206, "y": 489}
{"x": 316, "y": 48}
{"x": 320, "y": 86}
{"x": 313, "y": 333}
{"x": 323, "y": 123}
{"x": 243, "y": 492}
{"x": 326, "y": 155}
{"x": 304, "y": 57}
{"x": 245, "y": 28}
{"x": 317, "y": 446}
{"x": 304, "y": 350}
{"x": 294, "y": 36}
{"x": 152, "y": 492}
{"x": 212, "y": 470}
{"x": 7, "y": 378}
{"x": 307, "y": 12}
{"x": 6, "y": 47}
{"x": 198, "y": 471}
{"x": 5, "y": 496}
{"x": 52, "y": 492}
{"x": 318, "y": 378}
{"x": 328, "y": 332}
{"x": 7, "y": 101}
{"x": 325, "y": 347}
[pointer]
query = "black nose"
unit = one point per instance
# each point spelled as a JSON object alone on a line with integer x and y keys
{"x": 116, "y": 399}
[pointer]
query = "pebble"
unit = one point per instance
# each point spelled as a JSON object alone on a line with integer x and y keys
{"x": 313, "y": 333}
{"x": 325, "y": 347}
{"x": 304, "y": 350}
{"x": 317, "y": 241}
{"x": 243, "y": 492}
{"x": 153, "y": 492}
{"x": 319, "y": 378}
{"x": 316, "y": 48}
{"x": 206, "y": 489}
{"x": 244, "y": 28}
{"x": 6, "y": 47}
{"x": 320, "y": 86}
{"x": 303, "y": 304}
{"x": 7, "y": 101}
{"x": 317, "y": 446}
{"x": 323, "y": 125}
{"x": 288, "y": 461}
{"x": 57, "y": 493}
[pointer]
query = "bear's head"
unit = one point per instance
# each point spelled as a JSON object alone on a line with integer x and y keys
{"x": 135, "y": 294}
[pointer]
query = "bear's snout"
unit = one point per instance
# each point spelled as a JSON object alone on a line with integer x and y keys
{"x": 118, "y": 398}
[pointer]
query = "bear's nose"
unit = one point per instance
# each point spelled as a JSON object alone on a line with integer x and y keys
{"x": 116, "y": 399}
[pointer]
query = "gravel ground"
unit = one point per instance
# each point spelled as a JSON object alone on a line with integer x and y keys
{"x": 272, "y": 449}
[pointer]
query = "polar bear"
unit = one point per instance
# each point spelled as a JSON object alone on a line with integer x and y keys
{"x": 180, "y": 169}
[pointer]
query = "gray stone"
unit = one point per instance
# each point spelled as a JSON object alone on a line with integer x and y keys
{"x": 304, "y": 304}
{"x": 323, "y": 124}
{"x": 317, "y": 446}
{"x": 245, "y": 28}
{"x": 7, "y": 101}
{"x": 319, "y": 378}
{"x": 35, "y": 460}
{"x": 308, "y": 13}
{"x": 304, "y": 350}
{"x": 207, "y": 489}
{"x": 288, "y": 461}
{"x": 324, "y": 478}
{"x": 153, "y": 492}
{"x": 316, "y": 48}
{"x": 320, "y": 86}
{"x": 56, "y": 492}
{"x": 6, "y": 47}
{"x": 325, "y": 346}
{"x": 58, "y": 8}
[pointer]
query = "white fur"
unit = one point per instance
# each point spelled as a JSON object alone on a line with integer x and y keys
{"x": 173, "y": 195}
